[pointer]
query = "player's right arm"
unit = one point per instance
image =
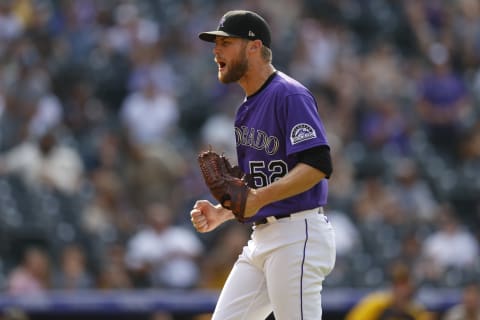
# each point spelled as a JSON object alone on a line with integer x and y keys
{"x": 206, "y": 217}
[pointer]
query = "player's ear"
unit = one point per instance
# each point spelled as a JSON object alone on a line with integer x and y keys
{"x": 255, "y": 45}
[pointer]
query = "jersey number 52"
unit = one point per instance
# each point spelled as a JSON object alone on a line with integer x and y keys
{"x": 265, "y": 173}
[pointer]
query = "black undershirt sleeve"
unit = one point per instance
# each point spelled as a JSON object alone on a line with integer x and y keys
{"x": 319, "y": 158}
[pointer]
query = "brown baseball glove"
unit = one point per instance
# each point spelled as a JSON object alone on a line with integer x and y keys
{"x": 226, "y": 183}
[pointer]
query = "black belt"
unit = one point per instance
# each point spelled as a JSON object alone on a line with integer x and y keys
{"x": 264, "y": 220}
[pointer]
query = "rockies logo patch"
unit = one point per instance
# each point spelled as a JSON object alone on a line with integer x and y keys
{"x": 302, "y": 132}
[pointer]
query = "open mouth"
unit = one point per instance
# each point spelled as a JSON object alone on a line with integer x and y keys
{"x": 221, "y": 64}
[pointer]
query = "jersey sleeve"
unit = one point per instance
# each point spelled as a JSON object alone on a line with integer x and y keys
{"x": 304, "y": 127}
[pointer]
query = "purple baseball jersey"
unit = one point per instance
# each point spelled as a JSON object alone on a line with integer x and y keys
{"x": 271, "y": 128}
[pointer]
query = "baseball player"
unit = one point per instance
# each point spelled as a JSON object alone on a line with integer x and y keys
{"x": 282, "y": 146}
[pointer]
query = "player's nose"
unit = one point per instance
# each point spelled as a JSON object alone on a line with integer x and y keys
{"x": 216, "y": 49}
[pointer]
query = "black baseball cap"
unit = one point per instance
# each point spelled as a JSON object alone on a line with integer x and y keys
{"x": 240, "y": 24}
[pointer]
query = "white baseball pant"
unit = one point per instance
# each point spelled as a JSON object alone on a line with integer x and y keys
{"x": 282, "y": 268}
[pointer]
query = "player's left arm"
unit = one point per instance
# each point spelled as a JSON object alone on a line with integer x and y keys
{"x": 314, "y": 165}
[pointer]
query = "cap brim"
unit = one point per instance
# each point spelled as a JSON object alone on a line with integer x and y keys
{"x": 211, "y": 35}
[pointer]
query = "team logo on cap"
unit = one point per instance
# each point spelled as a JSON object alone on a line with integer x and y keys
{"x": 220, "y": 24}
{"x": 302, "y": 132}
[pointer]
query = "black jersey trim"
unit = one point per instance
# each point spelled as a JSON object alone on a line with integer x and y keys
{"x": 270, "y": 78}
{"x": 319, "y": 158}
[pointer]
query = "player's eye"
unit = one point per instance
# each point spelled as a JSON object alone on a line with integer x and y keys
{"x": 226, "y": 41}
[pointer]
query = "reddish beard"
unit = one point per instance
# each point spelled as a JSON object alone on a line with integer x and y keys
{"x": 236, "y": 69}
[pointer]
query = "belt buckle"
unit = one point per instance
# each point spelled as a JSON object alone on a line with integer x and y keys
{"x": 265, "y": 220}
{"x": 271, "y": 219}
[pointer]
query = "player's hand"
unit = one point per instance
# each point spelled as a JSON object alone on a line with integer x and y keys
{"x": 206, "y": 217}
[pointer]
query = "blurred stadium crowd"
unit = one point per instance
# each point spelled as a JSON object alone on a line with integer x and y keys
{"x": 104, "y": 106}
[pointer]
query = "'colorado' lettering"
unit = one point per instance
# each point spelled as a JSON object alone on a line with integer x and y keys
{"x": 256, "y": 139}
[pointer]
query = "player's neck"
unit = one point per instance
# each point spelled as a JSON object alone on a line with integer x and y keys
{"x": 255, "y": 77}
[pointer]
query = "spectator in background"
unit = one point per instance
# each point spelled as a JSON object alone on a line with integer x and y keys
{"x": 319, "y": 45}
{"x": 73, "y": 273}
{"x": 469, "y": 306}
{"x": 411, "y": 250}
{"x": 444, "y": 104}
{"x": 32, "y": 107}
{"x": 112, "y": 272}
{"x": 45, "y": 163}
{"x": 84, "y": 114}
{"x": 374, "y": 201}
{"x": 396, "y": 303}
{"x": 107, "y": 216}
{"x": 151, "y": 173}
{"x": 32, "y": 275}
{"x": 162, "y": 254}
{"x": 47, "y": 112}
{"x": 384, "y": 128}
{"x": 430, "y": 21}
{"x": 381, "y": 73}
{"x": 10, "y": 23}
{"x": 413, "y": 193}
{"x": 132, "y": 28}
{"x": 149, "y": 114}
{"x": 451, "y": 246}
